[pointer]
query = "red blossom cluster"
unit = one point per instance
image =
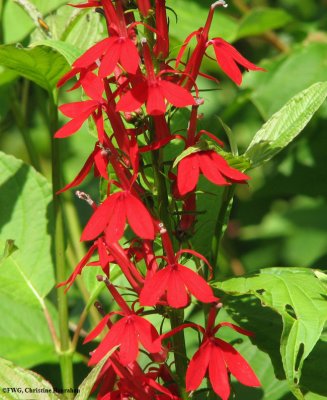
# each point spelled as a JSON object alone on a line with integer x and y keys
{"x": 133, "y": 87}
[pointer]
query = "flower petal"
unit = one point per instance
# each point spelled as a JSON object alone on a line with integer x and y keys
{"x": 210, "y": 169}
{"x": 155, "y": 104}
{"x": 72, "y": 126}
{"x": 92, "y": 54}
{"x": 176, "y": 95}
{"x": 218, "y": 373}
{"x": 197, "y": 367}
{"x": 231, "y": 173}
{"x": 154, "y": 288}
{"x": 187, "y": 174}
{"x": 196, "y": 285}
{"x": 147, "y": 334}
{"x": 116, "y": 220}
{"x": 237, "y": 365}
{"x": 110, "y": 59}
{"x": 129, "y": 56}
{"x": 177, "y": 295}
{"x": 99, "y": 219}
{"x": 129, "y": 344}
{"x": 113, "y": 338}
{"x": 139, "y": 217}
{"x": 133, "y": 99}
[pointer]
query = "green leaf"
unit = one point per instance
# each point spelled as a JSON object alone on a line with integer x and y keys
{"x": 260, "y": 20}
{"x": 273, "y": 88}
{"x": 39, "y": 64}
{"x": 24, "y": 381}
{"x": 67, "y": 50}
{"x": 286, "y": 124}
{"x": 24, "y": 334}
{"x": 88, "y": 383}
{"x": 300, "y": 298}
{"x": 26, "y": 275}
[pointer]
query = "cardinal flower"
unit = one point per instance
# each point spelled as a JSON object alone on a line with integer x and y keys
{"x": 218, "y": 358}
{"x": 119, "y": 47}
{"x": 144, "y": 6}
{"x": 154, "y": 91}
{"x": 113, "y": 214}
{"x": 175, "y": 280}
{"x": 80, "y": 111}
{"x": 229, "y": 60}
{"x": 212, "y": 165}
{"x": 100, "y": 159}
{"x": 126, "y": 333}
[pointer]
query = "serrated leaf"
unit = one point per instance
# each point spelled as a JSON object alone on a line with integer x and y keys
{"x": 22, "y": 381}
{"x": 260, "y": 20}
{"x": 286, "y": 124}
{"x": 41, "y": 65}
{"x": 88, "y": 383}
{"x": 300, "y": 298}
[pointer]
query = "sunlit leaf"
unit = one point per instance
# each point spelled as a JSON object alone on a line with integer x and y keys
{"x": 300, "y": 298}
{"x": 286, "y": 124}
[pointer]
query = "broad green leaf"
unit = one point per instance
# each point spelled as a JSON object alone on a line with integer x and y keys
{"x": 67, "y": 50}
{"x": 39, "y": 64}
{"x": 260, "y": 20}
{"x": 87, "y": 384}
{"x": 24, "y": 381}
{"x": 26, "y": 275}
{"x": 286, "y": 124}
{"x": 273, "y": 88}
{"x": 24, "y": 333}
{"x": 300, "y": 298}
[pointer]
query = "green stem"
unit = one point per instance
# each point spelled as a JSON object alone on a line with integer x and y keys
{"x": 65, "y": 354}
{"x": 160, "y": 182}
{"x": 176, "y": 319}
{"x": 221, "y": 223}
{"x": 176, "y": 316}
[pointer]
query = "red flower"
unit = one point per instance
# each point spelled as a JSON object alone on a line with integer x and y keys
{"x": 144, "y": 6}
{"x": 212, "y": 165}
{"x": 161, "y": 48}
{"x": 111, "y": 51}
{"x": 219, "y": 358}
{"x": 176, "y": 280}
{"x": 80, "y": 111}
{"x": 228, "y": 58}
{"x": 112, "y": 215}
{"x": 126, "y": 333}
{"x": 100, "y": 159}
{"x": 119, "y": 47}
{"x": 153, "y": 91}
